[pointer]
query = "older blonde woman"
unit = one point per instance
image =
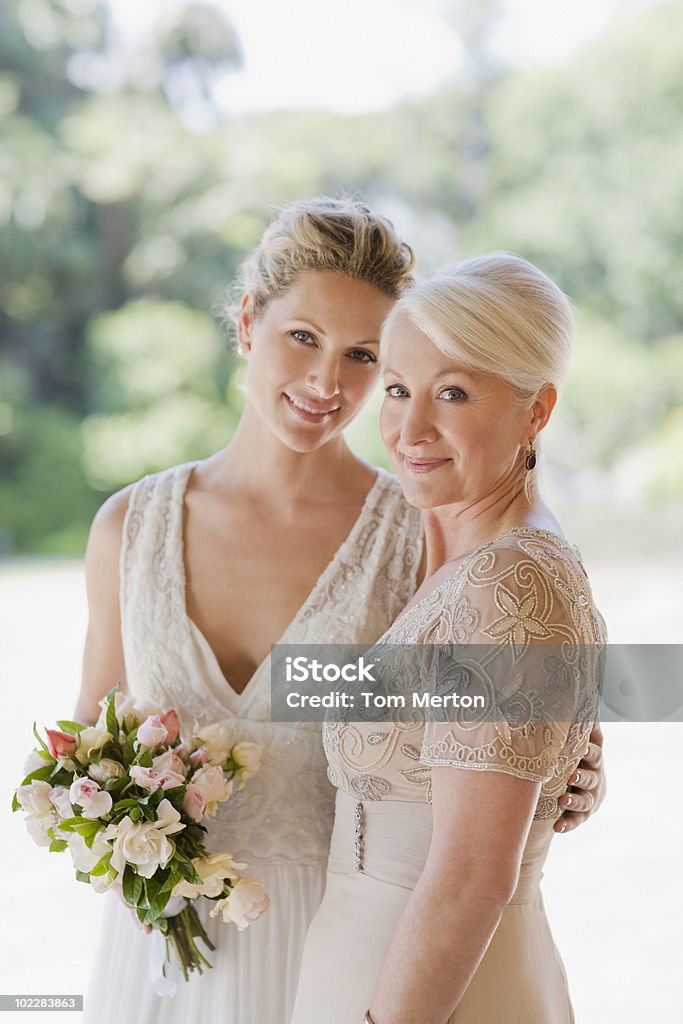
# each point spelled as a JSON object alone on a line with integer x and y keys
{"x": 432, "y": 910}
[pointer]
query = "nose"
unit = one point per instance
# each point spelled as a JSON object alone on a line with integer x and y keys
{"x": 417, "y": 427}
{"x": 323, "y": 378}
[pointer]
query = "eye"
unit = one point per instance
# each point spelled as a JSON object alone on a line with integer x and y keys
{"x": 396, "y": 391}
{"x": 361, "y": 355}
{"x": 303, "y": 337}
{"x": 452, "y": 394}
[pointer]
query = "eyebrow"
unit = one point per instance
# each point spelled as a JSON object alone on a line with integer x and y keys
{"x": 446, "y": 373}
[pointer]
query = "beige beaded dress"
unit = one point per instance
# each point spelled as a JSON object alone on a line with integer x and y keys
{"x": 517, "y": 595}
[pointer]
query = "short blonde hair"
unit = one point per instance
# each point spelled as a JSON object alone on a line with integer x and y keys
{"x": 497, "y": 314}
{"x": 341, "y": 235}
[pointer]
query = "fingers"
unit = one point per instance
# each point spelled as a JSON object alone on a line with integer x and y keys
{"x": 593, "y": 758}
{"x": 568, "y": 822}
{"x": 581, "y": 801}
{"x": 585, "y": 779}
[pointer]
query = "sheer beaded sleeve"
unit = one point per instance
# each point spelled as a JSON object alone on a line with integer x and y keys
{"x": 522, "y": 634}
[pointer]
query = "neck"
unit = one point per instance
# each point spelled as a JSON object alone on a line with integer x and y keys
{"x": 256, "y": 464}
{"x": 453, "y": 531}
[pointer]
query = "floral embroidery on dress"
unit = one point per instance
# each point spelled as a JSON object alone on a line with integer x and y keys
{"x": 513, "y": 597}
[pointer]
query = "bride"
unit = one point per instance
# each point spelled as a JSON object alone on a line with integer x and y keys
{"x": 284, "y": 535}
{"x": 432, "y": 910}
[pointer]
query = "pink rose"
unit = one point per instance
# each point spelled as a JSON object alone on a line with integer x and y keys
{"x": 170, "y": 780}
{"x": 152, "y": 732}
{"x": 169, "y": 762}
{"x": 198, "y": 756}
{"x": 194, "y": 803}
{"x": 87, "y": 794}
{"x": 61, "y": 744}
{"x": 145, "y": 778}
{"x": 213, "y": 785}
{"x": 172, "y": 725}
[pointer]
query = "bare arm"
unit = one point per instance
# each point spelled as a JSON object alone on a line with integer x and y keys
{"x": 470, "y": 875}
{"x": 103, "y": 664}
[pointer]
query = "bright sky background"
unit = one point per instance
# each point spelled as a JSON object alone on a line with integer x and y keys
{"x": 366, "y": 54}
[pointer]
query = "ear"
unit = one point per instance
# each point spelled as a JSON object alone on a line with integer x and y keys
{"x": 540, "y": 411}
{"x": 245, "y": 323}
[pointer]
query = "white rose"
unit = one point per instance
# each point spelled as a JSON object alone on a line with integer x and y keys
{"x": 93, "y": 801}
{"x": 213, "y": 870}
{"x": 216, "y": 739}
{"x": 124, "y": 708}
{"x": 214, "y": 787}
{"x": 35, "y": 798}
{"x": 60, "y": 801}
{"x": 249, "y": 757}
{"x": 245, "y": 904}
{"x": 105, "y": 769}
{"x": 144, "y": 844}
{"x": 92, "y": 738}
{"x": 152, "y": 732}
{"x": 38, "y": 826}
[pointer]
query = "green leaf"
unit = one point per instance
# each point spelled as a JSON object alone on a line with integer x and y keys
{"x": 132, "y": 886}
{"x": 73, "y": 728}
{"x": 112, "y": 721}
{"x": 40, "y": 740}
{"x": 102, "y": 866}
{"x": 16, "y": 806}
{"x": 57, "y": 845}
{"x": 43, "y": 774}
{"x": 83, "y": 876}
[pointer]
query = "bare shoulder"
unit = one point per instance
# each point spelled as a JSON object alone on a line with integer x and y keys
{"x": 104, "y": 540}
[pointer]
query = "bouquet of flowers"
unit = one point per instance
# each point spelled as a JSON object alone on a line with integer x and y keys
{"x": 126, "y": 797}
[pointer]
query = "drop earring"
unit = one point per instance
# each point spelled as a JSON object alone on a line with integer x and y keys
{"x": 530, "y": 460}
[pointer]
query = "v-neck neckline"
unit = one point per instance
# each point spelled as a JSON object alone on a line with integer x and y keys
{"x": 238, "y": 697}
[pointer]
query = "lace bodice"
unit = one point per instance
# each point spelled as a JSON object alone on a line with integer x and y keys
{"x": 285, "y": 813}
{"x": 526, "y": 600}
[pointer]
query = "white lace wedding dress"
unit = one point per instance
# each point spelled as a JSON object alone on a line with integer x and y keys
{"x": 281, "y": 822}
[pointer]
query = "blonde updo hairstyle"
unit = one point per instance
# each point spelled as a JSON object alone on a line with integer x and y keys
{"x": 341, "y": 235}
{"x": 496, "y": 314}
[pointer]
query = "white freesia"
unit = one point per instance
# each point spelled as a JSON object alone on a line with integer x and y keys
{"x": 211, "y": 783}
{"x": 35, "y": 798}
{"x": 37, "y": 828}
{"x": 92, "y": 738}
{"x": 59, "y": 798}
{"x": 144, "y": 844}
{"x": 105, "y": 769}
{"x": 152, "y": 732}
{"x": 249, "y": 757}
{"x": 213, "y": 870}
{"x": 216, "y": 739}
{"x": 93, "y": 801}
{"x": 245, "y": 904}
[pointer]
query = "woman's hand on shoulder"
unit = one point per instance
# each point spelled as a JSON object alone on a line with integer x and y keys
{"x": 103, "y": 664}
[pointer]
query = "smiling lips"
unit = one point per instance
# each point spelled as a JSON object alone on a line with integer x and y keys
{"x": 423, "y": 465}
{"x": 308, "y": 411}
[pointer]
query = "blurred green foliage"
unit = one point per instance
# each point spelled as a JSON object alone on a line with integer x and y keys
{"x": 127, "y": 201}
